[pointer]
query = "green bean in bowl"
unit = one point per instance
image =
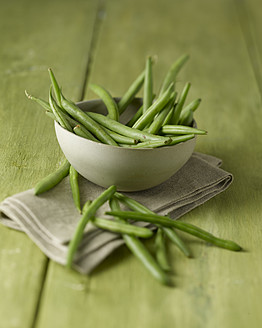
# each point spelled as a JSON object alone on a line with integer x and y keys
{"x": 130, "y": 142}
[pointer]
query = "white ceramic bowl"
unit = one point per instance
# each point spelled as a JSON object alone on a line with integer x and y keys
{"x": 128, "y": 169}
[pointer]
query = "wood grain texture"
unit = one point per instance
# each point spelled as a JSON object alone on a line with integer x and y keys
{"x": 34, "y": 35}
{"x": 217, "y": 288}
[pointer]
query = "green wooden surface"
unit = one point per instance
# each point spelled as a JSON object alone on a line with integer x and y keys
{"x": 34, "y": 35}
{"x": 217, "y": 288}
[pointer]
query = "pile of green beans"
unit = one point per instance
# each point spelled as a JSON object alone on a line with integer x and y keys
{"x": 162, "y": 117}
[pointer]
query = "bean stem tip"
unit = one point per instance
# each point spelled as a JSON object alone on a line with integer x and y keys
{"x": 28, "y": 95}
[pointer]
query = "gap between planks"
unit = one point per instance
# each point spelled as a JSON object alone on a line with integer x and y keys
{"x": 245, "y": 21}
{"x": 93, "y": 43}
{"x": 44, "y": 275}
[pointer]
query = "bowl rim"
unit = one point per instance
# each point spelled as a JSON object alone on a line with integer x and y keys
{"x": 58, "y": 126}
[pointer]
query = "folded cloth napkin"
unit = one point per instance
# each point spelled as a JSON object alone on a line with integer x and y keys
{"x": 50, "y": 219}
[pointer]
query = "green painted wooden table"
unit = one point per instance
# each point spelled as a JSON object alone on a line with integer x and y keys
{"x": 106, "y": 42}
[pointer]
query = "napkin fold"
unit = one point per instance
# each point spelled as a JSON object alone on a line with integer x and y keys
{"x": 50, "y": 219}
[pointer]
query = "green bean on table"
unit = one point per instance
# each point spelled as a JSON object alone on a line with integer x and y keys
{"x": 138, "y": 207}
{"x": 88, "y": 214}
{"x": 161, "y": 251}
{"x": 140, "y": 251}
{"x": 122, "y": 227}
{"x": 173, "y": 236}
{"x": 186, "y": 227}
{"x": 52, "y": 179}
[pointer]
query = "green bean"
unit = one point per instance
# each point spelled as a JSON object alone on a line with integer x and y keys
{"x": 87, "y": 121}
{"x": 158, "y": 121}
{"x": 52, "y": 179}
{"x": 155, "y": 108}
{"x": 168, "y": 117}
{"x": 51, "y": 115}
{"x": 84, "y": 133}
{"x": 78, "y": 129}
{"x": 148, "y": 86}
{"x": 60, "y": 118}
{"x": 108, "y": 100}
{"x": 178, "y": 139}
{"x": 88, "y": 214}
{"x": 149, "y": 144}
{"x": 123, "y": 129}
{"x": 186, "y": 227}
{"x": 131, "y": 93}
{"x": 192, "y": 106}
{"x": 86, "y": 205}
{"x": 180, "y": 104}
{"x": 181, "y": 129}
{"x": 40, "y": 101}
{"x": 161, "y": 253}
{"x": 55, "y": 87}
{"x": 138, "y": 207}
{"x": 187, "y": 115}
{"x": 120, "y": 138}
{"x": 186, "y": 118}
{"x": 122, "y": 228}
{"x": 132, "y": 203}
{"x": 70, "y": 120}
{"x": 160, "y": 143}
{"x": 173, "y": 236}
{"x": 73, "y": 177}
{"x": 172, "y": 73}
{"x": 136, "y": 116}
{"x": 140, "y": 251}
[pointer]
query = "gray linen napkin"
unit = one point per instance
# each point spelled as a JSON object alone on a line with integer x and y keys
{"x": 51, "y": 218}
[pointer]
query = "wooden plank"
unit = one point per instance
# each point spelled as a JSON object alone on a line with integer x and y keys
{"x": 217, "y": 288}
{"x": 35, "y": 35}
{"x": 249, "y": 16}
